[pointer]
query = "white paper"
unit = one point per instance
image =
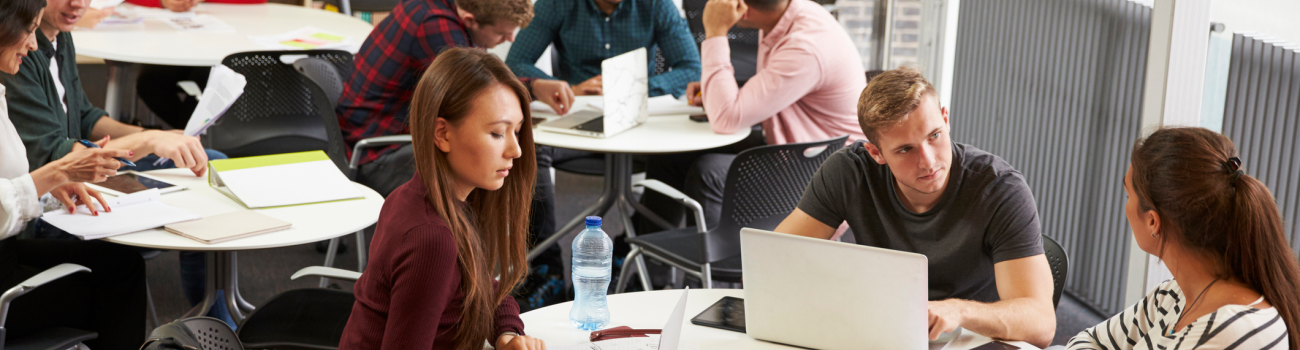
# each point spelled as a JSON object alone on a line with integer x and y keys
{"x": 308, "y": 38}
{"x": 131, "y": 213}
{"x": 102, "y": 4}
{"x": 289, "y": 184}
{"x": 224, "y": 87}
{"x": 662, "y": 105}
{"x": 199, "y": 23}
{"x": 541, "y": 107}
{"x": 151, "y": 12}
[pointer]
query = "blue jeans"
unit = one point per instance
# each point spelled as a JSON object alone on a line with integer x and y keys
{"x": 193, "y": 264}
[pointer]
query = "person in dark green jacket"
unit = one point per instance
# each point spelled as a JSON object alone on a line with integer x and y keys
{"x": 51, "y": 113}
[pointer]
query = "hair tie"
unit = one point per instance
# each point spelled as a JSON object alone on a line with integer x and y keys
{"x": 1233, "y": 164}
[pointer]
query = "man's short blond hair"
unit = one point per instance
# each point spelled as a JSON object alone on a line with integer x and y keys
{"x": 488, "y": 12}
{"x": 889, "y": 98}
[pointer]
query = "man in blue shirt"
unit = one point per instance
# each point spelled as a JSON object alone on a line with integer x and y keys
{"x": 586, "y": 32}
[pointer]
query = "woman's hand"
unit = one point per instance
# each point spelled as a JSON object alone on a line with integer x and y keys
{"x": 76, "y": 193}
{"x": 519, "y": 342}
{"x": 92, "y": 164}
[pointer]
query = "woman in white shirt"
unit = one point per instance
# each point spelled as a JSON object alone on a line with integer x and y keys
{"x": 110, "y": 299}
{"x": 1191, "y": 204}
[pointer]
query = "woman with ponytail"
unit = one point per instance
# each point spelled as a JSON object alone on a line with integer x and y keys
{"x": 1236, "y": 282}
{"x": 461, "y": 220}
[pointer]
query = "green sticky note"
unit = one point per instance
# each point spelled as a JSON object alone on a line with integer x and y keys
{"x": 299, "y": 44}
{"x": 329, "y": 37}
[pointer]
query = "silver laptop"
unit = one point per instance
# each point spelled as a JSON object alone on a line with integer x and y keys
{"x": 624, "y": 79}
{"x": 830, "y": 295}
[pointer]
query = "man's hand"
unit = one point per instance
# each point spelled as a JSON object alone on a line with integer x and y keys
{"x": 185, "y": 151}
{"x": 92, "y": 17}
{"x": 721, "y": 15}
{"x": 179, "y": 5}
{"x": 65, "y": 193}
{"x": 554, "y": 93}
{"x": 519, "y": 342}
{"x": 694, "y": 94}
{"x": 592, "y": 86}
{"x": 945, "y": 316}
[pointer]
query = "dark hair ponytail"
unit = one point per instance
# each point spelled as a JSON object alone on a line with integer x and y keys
{"x": 1191, "y": 176}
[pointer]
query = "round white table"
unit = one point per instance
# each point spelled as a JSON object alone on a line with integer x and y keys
{"x": 650, "y": 310}
{"x": 658, "y": 135}
{"x": 311, "y": 223}
{"x": 156, "y": 43}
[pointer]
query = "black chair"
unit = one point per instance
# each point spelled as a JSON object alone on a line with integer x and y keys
{"x": 1060, "y": 264}
{"x": 50, "y": 339}
{"x": 213, "y": 334}
{"x": 277, "y": 112}
{"x": 311, "y": 318}
{"x": 763, "y": 186}
{"x": 743, "y": 41}
{"x": 329, "y": 76}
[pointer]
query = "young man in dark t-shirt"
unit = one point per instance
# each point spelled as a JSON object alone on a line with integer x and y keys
{"x": 969, "y": 212}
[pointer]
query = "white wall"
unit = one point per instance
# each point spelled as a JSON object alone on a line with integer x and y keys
{"x": 1276, "y": 18}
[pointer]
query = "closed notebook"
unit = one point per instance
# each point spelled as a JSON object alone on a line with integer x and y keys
{"x": 229, "y": 226}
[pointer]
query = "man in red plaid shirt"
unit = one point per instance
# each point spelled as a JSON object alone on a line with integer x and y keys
{"x": 376, "y": 100}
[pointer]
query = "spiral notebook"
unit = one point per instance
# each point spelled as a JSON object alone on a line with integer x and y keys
{"x": 226, "y": 227}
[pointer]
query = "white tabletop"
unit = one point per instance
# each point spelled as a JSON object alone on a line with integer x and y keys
{"x": 311, "y": 222}
{"x": 157, "y": 43}
{"x": 651, "y": 309}
{"x": 659, "y": 134}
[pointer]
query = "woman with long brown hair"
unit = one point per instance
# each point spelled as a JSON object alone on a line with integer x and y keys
{"x": 1191, "y": 203}
{"x": 460, "y": 221}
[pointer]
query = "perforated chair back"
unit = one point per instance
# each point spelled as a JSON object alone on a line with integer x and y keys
{"x": 277, "y": 112}
{"x": 1060, "y": 265}
{"x": 764, "y": 182}
{"x": 325, "y": 74}
{"x": 213, "y": 334}
{"x": 743, "y": 41}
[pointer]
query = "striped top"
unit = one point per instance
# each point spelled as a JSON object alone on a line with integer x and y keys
{"x": 1145, "y": 326}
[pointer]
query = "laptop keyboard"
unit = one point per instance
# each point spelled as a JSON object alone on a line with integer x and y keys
{"x": 595, "y": 125}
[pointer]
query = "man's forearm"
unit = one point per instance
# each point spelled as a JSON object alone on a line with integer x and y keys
{"x": 1027, "y": 319}
{"x": 108, "y": 127}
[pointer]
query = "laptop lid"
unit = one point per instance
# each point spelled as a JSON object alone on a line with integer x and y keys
{"x": 671, "y": 335}
{"x": 831, "y": 295}
{"x": 625, "y": 81}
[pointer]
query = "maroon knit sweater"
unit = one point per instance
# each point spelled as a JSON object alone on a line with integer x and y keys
{"x": 410, "y": 295}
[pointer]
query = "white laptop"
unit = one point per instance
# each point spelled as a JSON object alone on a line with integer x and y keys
{"x": 624, "y": 79}
{"x": 831, "y": 295}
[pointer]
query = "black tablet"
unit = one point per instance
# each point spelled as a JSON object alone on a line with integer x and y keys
{"x": 728, "y": 314}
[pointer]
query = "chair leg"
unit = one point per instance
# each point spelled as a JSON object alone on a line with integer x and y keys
{"x": 153, "y": 312}
{"x": 707, "y": 272}
{"x": 642, "y": 272}
{"x": 627, "y": 266}
{"x": 679, "y": 278}
{"x": 329, "y": 259}
{"x": 361, "y": 251}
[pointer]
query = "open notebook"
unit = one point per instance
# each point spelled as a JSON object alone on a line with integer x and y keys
{"x": 134, "y": 212}
{"x": 229, "y": 226}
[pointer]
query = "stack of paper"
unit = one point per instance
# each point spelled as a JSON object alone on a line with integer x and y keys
{"x": 199, "y": 23}
{"x": 281, "y": 180}
{"x": 229, "y": 226}
{"x": 224, "y": 87}
{"x": 134, "y": 212}
{"x": 307, "y": 38}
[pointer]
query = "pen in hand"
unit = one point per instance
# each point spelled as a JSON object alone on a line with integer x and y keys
{"x": 89, "y": 144}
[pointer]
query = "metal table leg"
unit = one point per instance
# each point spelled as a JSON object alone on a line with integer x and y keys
{"x": 244, "y": 305}
{"x": 119, "y": 98}
{"x": 209, "y": 288}
{"x": 231, "y": 274}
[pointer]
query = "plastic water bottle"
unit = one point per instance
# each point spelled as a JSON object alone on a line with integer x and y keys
{"x": 592, "y": 253}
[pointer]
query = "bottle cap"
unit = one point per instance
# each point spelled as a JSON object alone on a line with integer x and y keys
{"x": 593, "y": 221}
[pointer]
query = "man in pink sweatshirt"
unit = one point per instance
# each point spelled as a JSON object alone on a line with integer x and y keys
{"x": 806, "y": 89}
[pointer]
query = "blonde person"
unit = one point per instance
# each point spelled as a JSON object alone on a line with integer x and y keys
{"x": 110, "y": 300}
{"x": 458, "y": 222}
{"x": 1191, "y": 203}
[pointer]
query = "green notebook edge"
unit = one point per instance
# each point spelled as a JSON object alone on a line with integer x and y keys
{"x": 261, "y": 161}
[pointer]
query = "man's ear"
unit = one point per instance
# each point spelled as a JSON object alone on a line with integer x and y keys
{"x": 874, "y": 152}
{"x": 441, "y": 135}
{"x": 944, "y": 110}
{"x": 470, "y": 22}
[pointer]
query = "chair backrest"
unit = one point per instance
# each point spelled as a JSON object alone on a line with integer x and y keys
{"x": 762, "y": 183}
{"x": 325, "y": 74}
{"x": 1060, "y": 265}
{"x": 277, "y": 112}
{"x": 213, "y": 334}
{"x": 743, "y": 41}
